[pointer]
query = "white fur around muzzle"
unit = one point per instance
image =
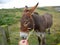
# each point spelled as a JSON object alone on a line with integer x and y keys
{"x": 23, "y": 34}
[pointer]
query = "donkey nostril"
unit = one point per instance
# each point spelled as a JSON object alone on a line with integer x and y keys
{"x": 23, "y": 37}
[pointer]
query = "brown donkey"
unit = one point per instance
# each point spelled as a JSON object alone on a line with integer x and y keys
{"x": 32, "y": 20}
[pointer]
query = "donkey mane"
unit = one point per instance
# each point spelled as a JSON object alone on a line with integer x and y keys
{"x": 36, "y": 13}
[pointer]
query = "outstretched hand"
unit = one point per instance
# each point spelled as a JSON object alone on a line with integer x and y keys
{"x": 23, "y": 42}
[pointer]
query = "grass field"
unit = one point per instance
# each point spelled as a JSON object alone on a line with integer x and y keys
{"x": 52, "y": 39}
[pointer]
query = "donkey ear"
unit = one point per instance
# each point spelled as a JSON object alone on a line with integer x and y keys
{"x": 33, "y": 8}
{"x": 26, "y": 7}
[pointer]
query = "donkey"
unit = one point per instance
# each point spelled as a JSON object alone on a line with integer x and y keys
{"x": 32, "y": 20}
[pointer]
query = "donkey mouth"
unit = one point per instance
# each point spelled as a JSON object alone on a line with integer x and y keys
{"x": 23, "y": 35}
{"x": 29, "y": 28}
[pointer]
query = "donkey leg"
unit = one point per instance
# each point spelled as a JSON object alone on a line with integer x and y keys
{"x": 43, "y": 39}
{"x": 39, "y": 40}
{"x": 49, "y": 31}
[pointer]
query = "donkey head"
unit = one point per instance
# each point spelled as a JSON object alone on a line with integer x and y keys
{"x": 26, "y": 21}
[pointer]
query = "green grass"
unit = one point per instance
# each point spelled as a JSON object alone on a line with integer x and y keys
{"x": 52, "y": 39}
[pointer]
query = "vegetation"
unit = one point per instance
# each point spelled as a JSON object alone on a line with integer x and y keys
{"x": 12, "y": 17}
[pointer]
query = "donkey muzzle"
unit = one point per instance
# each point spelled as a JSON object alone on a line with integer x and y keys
{"x": 23, "y": 35}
